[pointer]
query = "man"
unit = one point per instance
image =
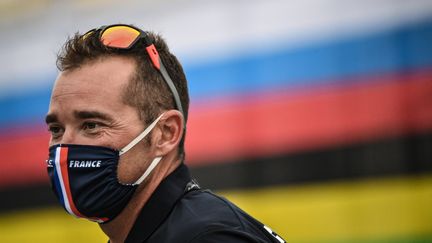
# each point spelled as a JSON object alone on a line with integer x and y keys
{"x": 117, "y": 120}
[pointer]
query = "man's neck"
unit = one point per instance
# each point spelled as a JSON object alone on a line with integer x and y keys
{"x": 118, "y": 229}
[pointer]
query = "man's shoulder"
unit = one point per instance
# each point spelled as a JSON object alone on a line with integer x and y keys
{"x": 202, "y": 214}
{"x": 202, "y": 209}
{"x": 208, "y": 206}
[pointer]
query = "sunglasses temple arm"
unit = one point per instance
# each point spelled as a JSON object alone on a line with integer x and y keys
{"x": 170, "y": 83}
{"x": 154, "y": 56}
{"x": 157, "y": 62}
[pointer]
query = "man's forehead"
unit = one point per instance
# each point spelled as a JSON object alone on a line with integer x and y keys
{"x": 113, "y": 68}
{"x": 105, "y": 76}
{"x": 98, "y": 85}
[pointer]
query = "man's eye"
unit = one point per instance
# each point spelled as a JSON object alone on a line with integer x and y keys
{"x": 91, "y": 126}
{"x": 54, "y": 130}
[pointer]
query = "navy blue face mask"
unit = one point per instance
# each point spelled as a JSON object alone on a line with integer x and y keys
{"x": 84, "y": 178}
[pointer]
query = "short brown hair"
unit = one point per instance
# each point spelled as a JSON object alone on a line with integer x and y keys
{"x": 147, "y": 90}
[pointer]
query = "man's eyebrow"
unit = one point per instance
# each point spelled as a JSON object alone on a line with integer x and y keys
{"x": 92, "y": 114}
{"x": 51, "y": 118}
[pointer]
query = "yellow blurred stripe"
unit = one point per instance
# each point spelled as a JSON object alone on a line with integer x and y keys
{"x": 367, "y": 209}
{"x": 47, "y": 225}
{"x": 340, "y": 211}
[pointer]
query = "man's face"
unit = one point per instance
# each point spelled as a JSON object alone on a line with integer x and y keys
{"x": 86, "y": 108}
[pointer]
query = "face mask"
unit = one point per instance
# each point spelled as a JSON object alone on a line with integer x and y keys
{"x": 84, "y": 178}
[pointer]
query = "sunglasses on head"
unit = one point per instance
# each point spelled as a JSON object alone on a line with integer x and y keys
{"x": 124, "y": 37}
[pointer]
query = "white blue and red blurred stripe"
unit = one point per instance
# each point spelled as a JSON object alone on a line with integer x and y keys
{"x": 368, "y": 78}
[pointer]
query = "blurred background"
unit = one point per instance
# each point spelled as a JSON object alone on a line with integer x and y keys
{"x": 313, "y": 116}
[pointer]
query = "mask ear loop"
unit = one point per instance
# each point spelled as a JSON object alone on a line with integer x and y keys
{"x": 148, "y": 171}
{"x": 140, "y": 137}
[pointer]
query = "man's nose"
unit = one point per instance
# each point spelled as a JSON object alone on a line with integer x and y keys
{"x": 68, "y": 137}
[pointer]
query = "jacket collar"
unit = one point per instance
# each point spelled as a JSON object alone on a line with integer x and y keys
{"x": 158, "y": 207}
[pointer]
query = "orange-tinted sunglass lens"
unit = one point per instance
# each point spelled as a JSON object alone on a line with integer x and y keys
{"x": 119, "y": 36}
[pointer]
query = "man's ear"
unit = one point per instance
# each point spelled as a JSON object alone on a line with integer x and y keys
{"x": 171, "y": 132}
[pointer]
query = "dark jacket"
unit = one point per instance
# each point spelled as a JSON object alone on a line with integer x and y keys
{"x": 179, "y": 211}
